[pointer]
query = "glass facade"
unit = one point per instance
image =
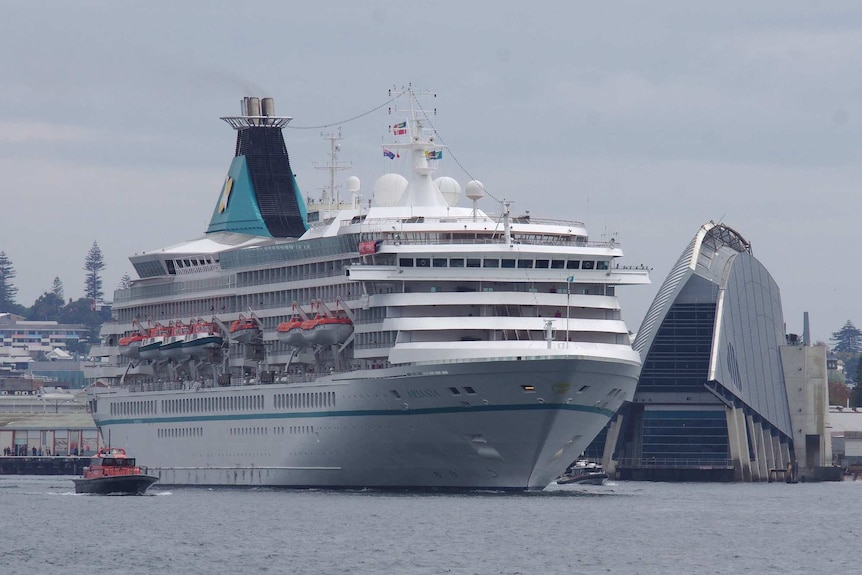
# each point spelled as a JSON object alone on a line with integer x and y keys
{"x": 679, "y": 357}
{"x": 688, "y": 435}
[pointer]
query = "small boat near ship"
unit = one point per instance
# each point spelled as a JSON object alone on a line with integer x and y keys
{"x": 583, "y": 472}
{"x": 112, "y": 472}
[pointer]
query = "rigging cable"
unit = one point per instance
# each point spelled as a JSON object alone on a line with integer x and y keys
{"x": 363, "y": 114}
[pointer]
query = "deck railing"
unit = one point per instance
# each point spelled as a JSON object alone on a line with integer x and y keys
{"x": 673, "y": 463}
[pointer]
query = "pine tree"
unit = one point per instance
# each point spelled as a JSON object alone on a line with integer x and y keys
{"x": 57, "y": 288}
{"x": 7, "y": 288}
{"x": 125, "y": 281}
{"x": 848, "y": 339}
{"x": 93, "y": 264}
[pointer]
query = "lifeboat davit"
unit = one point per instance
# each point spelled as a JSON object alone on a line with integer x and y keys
{"x": 203, "y": 336}
{"x": 151, "y": 346}
{"x": 290, "y": 332}
{"x": 244, "y": 330}
{"x": 327, "y": 330}
{"x": 130, "y": 345}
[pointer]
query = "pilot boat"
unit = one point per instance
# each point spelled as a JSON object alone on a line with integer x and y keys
{"x": 111, "y": 472}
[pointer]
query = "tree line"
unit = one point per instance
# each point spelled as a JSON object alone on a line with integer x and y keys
{"x": 52, "y": 304}
{"x": 846, "y": 388}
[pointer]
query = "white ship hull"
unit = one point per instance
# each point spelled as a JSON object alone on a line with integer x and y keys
{"x": 351, "y": 431}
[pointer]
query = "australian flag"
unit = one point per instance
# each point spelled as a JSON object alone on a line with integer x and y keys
{"x": 389, "y": 154}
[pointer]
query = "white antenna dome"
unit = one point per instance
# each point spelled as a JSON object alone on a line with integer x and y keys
{"x": 388, "y": 189}
{"x": 475, "y": 190}
{"x": 450, "y": 188}
{"x": 352, "y": 185}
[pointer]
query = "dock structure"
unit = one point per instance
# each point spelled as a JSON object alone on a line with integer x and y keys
{"x": 44, "y": 465}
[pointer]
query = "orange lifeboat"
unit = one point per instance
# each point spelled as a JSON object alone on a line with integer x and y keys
{"x": 244, "y": 330}
{"x": 203, "y": 336}
{"x": 290, "y": 332}
{"x": 172, "y": 345}
{"x": 151, "y": 346}
{"x": 324, "y": 330}
{"x": 130, "y": 345}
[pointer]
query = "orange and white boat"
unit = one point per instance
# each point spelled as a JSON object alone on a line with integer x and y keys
{"x": 204, "y": 335}
{"x": 130, "y": 345}
{"x": 327, "y": 330}
{"x": 244, "y": 330}
{"x": 111, "y": 472}
{"x": 172, "y": 345}
{"x": 151, "y": 346}
{"x": 290, "y": 332}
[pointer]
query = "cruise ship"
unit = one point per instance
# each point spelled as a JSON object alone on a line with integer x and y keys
{"x": 388, "y": 339}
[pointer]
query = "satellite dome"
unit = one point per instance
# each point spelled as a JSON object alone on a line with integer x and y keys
{"x": 388, "y": 189}
{"x": 450, "y": 188}
{"x": 352, "y": 184}
{"x": 475, "y": 190}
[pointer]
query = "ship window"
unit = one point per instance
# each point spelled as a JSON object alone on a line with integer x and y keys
{"x": 171, "y": 269}
{"x": 583, "y": 388}
{"x": 543, "y": 264}
{"x": 405, "y": 262}
{"x": 573, "y": 264}
{"x": 456, "y": 263}
{"x": 558, "y": 264}
{"x": 602, "y": 265}
{"x": 423, "y": 262}
{"x": 188, "y": 263}
{"x": 507, "y": 263}
{"x": 588, "y": 265}
{"x": 528, "y": 388}
{"x": 439, "y": 262}
{"x": 525, "y": 263}
{"x": 180, "y": 264}
{"x": 491, "y": 263}
{"x": 474, "y": 263}
{"x": 470, "y": 390}
{"x": 395, "y": 393}
{"x": 454, "y": 391}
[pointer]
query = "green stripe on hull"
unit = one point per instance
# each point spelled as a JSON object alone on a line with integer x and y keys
{"x": 364, "y": 413}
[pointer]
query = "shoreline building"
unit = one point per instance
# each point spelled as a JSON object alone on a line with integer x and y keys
{"x": 711, "y": 403}
{"x": 38, "y": 338}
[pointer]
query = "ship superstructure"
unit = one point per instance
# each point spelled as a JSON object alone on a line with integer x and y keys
{"x": 404, "y": 341}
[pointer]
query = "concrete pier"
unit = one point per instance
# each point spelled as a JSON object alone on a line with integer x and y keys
{"x": 26, "y": 465}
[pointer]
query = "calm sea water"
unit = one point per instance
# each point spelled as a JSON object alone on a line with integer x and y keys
{"x": 622, "y": 527}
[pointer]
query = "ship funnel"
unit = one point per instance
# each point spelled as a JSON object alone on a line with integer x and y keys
{"x": 268, "y": 107}
{"x": 260, "y": 196}
{"x": 252, "y": 106}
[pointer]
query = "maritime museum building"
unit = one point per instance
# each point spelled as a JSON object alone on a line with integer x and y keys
{"x": 711, "y": 401}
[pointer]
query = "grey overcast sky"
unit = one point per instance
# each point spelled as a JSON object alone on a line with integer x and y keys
{"x": 642, "y": 119}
